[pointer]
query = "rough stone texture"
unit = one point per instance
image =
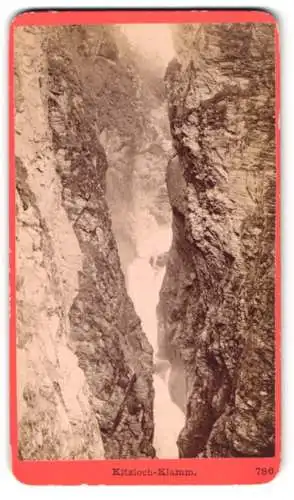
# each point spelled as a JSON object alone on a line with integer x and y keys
{"x": 216, "y": 309}
{"x": 54, "y": 414}
{"x": 83, "y": 356}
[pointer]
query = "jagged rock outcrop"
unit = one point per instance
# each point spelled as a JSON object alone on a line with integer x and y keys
{"x": 84, "y": 365}
{"x": 216, "y": 310}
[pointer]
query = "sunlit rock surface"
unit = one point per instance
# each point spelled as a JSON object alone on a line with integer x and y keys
{"x": 56, "y": 419}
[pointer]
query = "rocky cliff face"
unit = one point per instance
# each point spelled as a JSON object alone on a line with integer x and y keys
{"x": 84, "y": 364}
{"x": 216, "y": 308}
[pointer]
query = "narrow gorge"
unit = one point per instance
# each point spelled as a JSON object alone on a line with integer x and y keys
{"x": 145, "y": 206}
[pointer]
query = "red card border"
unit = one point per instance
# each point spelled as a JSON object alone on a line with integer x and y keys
{"x": 205, "y": 471}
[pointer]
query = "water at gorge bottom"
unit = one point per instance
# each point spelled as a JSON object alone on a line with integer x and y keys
{"x": 144, "y": 281}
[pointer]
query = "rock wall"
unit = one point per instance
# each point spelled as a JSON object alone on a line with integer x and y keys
{"x": 84, "y": 366}
{"x": 54, "y": 414}
{"x": 216, "y": 310}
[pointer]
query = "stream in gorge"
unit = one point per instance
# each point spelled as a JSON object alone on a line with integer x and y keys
{"x": 141, "y": 215}
{"x": 144, "y": 279}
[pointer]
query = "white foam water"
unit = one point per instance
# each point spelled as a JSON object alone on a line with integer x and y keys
{"x": 143, "y": 283}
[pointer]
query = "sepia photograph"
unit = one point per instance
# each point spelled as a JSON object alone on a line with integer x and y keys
{"x": 145, "y": 189}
